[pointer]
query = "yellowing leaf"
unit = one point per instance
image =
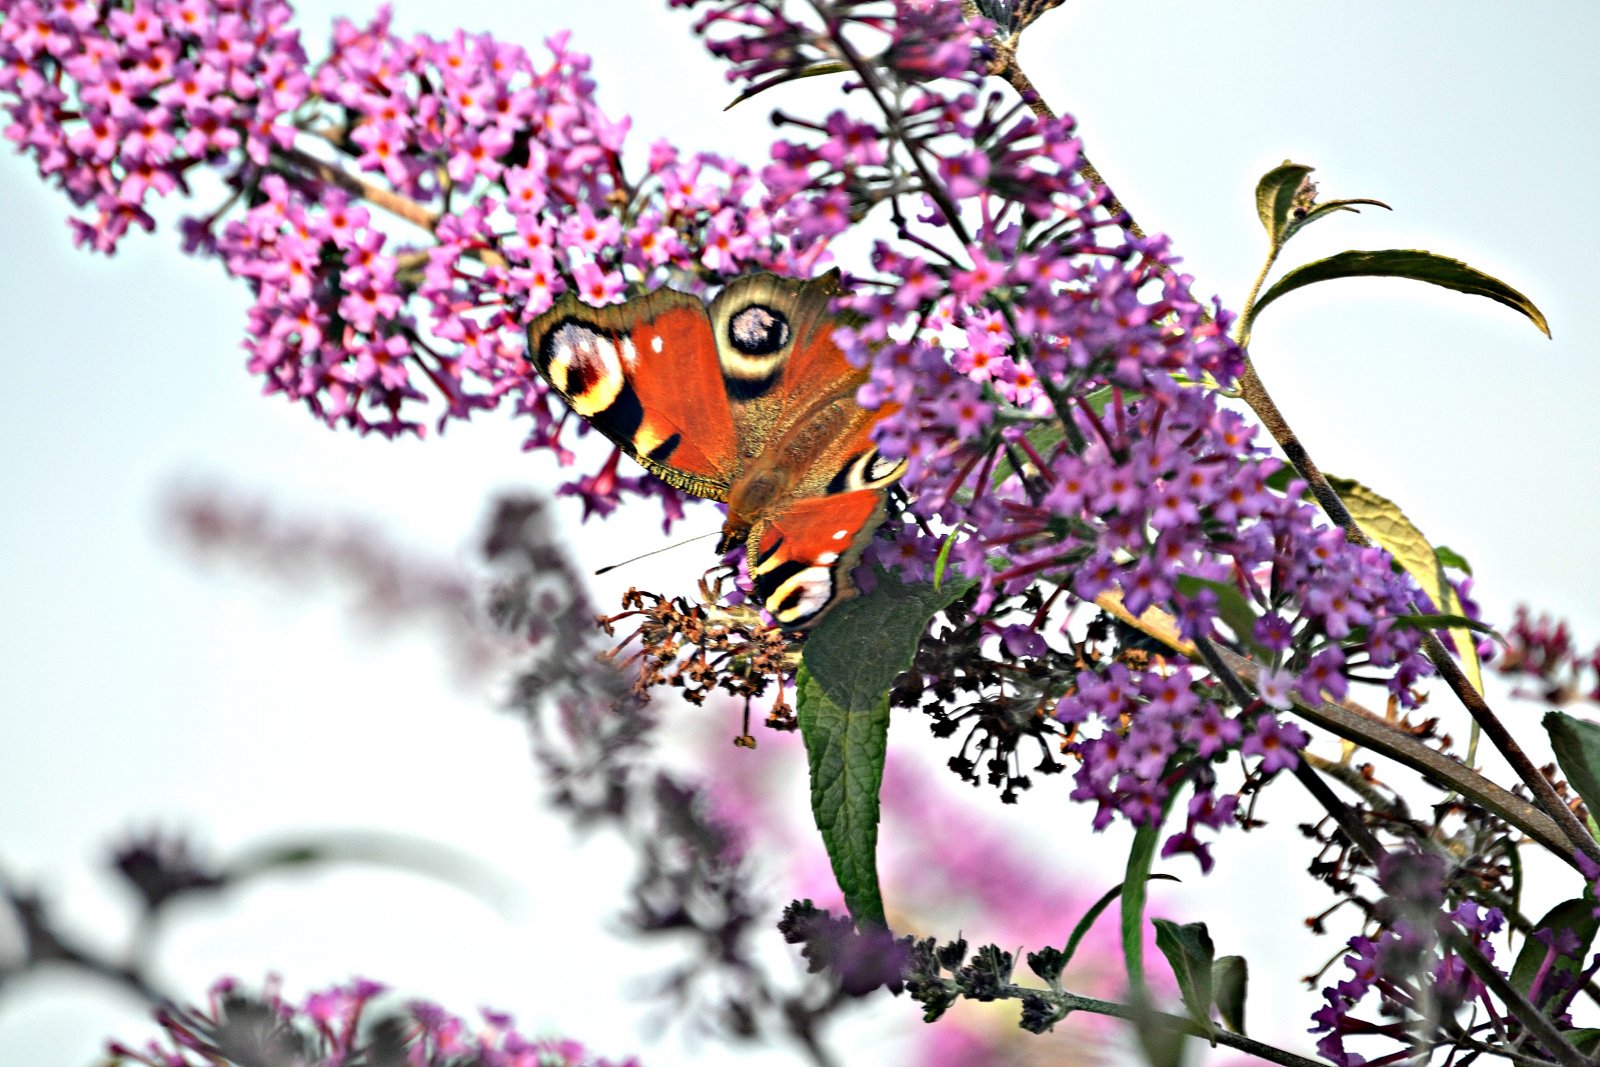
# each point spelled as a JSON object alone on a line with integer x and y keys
{"x": 1388, "y": 526}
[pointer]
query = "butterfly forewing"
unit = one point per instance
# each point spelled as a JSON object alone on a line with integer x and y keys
{"x": 644, "y": 374}
{"x": 776, "y": 350}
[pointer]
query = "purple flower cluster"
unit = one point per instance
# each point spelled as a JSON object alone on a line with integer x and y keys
{"x": 505, "y": 166}
{"x": 115, "y": 106}
{"x": 1046, "y": 387}
{"x": 326, "y": 1030}
{"x": 1399, "y": 964}
{"x": 511, "y": 165}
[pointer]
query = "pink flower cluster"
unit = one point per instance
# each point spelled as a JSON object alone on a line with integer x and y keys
{"x": 118, "y": 105}
{"x": 1545, "y": 659}
{"x": 506, "y": 176}
{"x": 326, "y": 1030}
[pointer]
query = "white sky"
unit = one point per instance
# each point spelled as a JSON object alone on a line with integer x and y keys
{"x": 138, "y": 690}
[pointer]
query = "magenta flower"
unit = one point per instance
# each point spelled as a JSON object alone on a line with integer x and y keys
{"x": 1277, "y": 743}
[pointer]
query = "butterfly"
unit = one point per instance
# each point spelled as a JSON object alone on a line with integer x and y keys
{"x": 747, "y": 400}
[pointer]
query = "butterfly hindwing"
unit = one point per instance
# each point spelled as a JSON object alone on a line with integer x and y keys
{"x": 804, "y": 555}
{"x": 645, "y": 374}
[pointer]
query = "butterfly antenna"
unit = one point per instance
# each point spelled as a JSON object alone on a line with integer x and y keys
{"x": 657, "y": 551}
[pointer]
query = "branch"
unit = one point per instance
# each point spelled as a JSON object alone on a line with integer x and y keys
{"x": 387, "y": 199}
{"x": 1351, "y": 721}
{"x": 1183, "y": 1024}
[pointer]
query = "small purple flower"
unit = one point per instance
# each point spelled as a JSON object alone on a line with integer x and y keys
{"x": 1276, "y": 688}
{"x": 1277, "y": 743}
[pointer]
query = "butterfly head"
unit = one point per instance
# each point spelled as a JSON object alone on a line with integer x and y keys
{"x": 735, "y": 532}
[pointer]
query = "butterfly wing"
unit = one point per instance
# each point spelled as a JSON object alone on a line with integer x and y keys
{"x": 793, "y": 398}
{"x": 790, "y": 388}
{"x": 803, "y": 557}
{"x": 646, "y": 374}
{"x": 776, "y": 350}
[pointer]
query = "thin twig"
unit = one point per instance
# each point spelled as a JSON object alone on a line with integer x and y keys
{"x": 391, "y": 201}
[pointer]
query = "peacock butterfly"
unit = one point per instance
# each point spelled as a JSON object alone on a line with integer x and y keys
{"x": 746, "y": 400}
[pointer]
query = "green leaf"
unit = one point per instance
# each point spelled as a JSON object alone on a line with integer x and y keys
{"x": 1189, "y": 950}
{"x": 1134, "y": 893}
{"x": 1084, "y": 924}
{"x": 1133, "y": 899}
{"x": 1330, "y": 207}
{"x": 1275, "y": 194}
{"x": 830, "y": 67}
{"x": 1405, "y": 263}
{"x": 1449, "y": 557}
{"x": 1577, "y": 748}
{"x": 845, "y": 747}
{"x": 859, "y": 649}
{"x": 842, "y": 702}
{"x": 1514, "y": 861}
{"x": 1441, "y": 622}
{"x": 1585, "y": 1041}
{"x": 1278, "y": 481}
{"x": 1576, "y": 915}
{"x": 944, "y": 558}
{"x": 1389, "y": 527}
{"x": 1101, "y": 398}
{"x": 1230, "y": 981}
{"x": 1042, "y": 438}
{"x": 1236, "y": 609}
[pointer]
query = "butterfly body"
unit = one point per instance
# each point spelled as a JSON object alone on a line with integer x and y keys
{"x": 746, "y": 400}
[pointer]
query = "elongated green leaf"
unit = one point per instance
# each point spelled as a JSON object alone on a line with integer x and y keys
{"x": 1236, "y": 609}
{"x": 842, "y": 702}
{"x": 1387, "y": 525}
{"x": 1275, "y": 194}
{"x": 845, "y": 747}
{"x": 1513, "y": 856}
{"x": 1449, "y": 557}
{"x": 831, "y": 67}
{"x": 1133, "y": 900}
{"x": 1101, "y": 398}
{"x": 1081, "y": 930}
{"x": 1189, "y": 950}
{"x": 1577, "y": 747}
{"x": 1331, "y": 207}
{"x": 1577, "y": 916}
{"x": 1278, "y": 481}
{"x": 1585, "y": 1041}
{"x": 1405, "y": 263}
{"x": 1230, "y": 982}
{"x": 944, "y": 558}
{"x": 1042, "y": 438}
{"x": 1441, "y": 622}
{"x": 1135, "y": 891}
